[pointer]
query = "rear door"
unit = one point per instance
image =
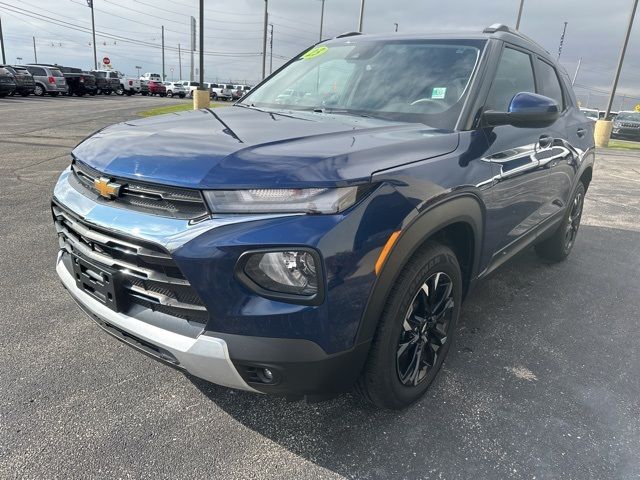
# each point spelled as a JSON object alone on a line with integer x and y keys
{"x": 572, "y": 135}
{"x": 519, "y": 199}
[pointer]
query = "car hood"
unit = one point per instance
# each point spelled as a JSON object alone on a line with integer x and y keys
{"x": 238, "y": 147}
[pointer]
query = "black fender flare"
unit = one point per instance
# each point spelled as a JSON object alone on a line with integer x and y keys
{"x": 463, "y": 207}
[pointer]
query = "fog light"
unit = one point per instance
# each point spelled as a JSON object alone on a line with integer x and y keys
{"x": 290, "y": 272}
{"x": 266, "y": 375}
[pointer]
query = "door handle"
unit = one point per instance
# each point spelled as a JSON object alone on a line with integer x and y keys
{"x": 545, "y": 141}
{"x": 581, "y": 132}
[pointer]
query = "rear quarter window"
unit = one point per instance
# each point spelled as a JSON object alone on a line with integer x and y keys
{"x": 550, "y": 83}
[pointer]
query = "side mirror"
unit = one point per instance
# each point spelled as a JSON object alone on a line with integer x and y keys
{"x": 526, "y": 110}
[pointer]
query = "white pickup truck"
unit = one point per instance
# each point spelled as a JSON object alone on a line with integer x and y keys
{"x": 128, "y": 85}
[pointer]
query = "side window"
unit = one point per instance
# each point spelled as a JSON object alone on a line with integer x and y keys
{"x": 514, "y": 75}
{"x": 550, "y": 85}
{"x": 37, "y": 71}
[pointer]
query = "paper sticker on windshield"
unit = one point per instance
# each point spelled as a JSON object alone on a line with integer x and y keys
{"x": 315, "y": 52}
{"x": 438, "y": 92}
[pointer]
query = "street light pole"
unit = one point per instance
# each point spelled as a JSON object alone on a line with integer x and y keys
{"x": 163, "y": 76}
{"x": 575, "y": 75}
{"x": 4, "y": 60}
{"x": 264, "y": 38}
{"x": 361, "y": 16}
{"x": 396, "y": 25}
{"x": 621, "y": 59}
{"x": 271, "y": 50}
{"x": 93, "y": 29}
{"x": 35, "y": 53}
{"x": 179, "y": 62}
{"x": 321, "y": 19}
{"x": 519, "y": 15}
{"x": 201, "y": 87}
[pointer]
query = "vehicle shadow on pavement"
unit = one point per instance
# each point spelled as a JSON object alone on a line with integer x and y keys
{"x": 515, "y": 382}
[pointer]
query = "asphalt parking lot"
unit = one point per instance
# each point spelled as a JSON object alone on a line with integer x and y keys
{"x": 542, "y": 380}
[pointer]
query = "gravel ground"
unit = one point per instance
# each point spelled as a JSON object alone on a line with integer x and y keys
{"x": 542, "y": 380}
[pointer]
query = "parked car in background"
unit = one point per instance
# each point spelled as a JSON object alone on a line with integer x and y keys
{"x": 25, "y": 85}
{"x": 128, "y": 85}
{"x": 157, "y": 88}
{"x": 175, "y": 89}
{"x": 151, "y": 76}
{"x": 144, "y": 87}
{"x": 220, "y": 91}
{"x": 591, "y": 113}
{"x": 7, "y": 82}
{"x": 106, "y": 81}
{"x": 626, "y": 126}
{"x": 48, "y": 80}
{"x": 79, "y": 83}
{"x": 302, "y": 249}
{"x": 238, "y": 92}
{"x": 189, "y": 86}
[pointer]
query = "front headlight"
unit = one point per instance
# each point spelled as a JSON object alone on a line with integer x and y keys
{"x": 282, "y": 200}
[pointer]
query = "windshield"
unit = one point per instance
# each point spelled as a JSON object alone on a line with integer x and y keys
{"x": 407, "y": 80}
{"x": 631, "y": 116}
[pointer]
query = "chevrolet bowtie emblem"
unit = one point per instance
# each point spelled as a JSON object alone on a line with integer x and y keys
{"x": 106, "y": 188}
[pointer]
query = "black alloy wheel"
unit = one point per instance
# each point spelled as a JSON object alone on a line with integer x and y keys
{"x": 425, "y": 329}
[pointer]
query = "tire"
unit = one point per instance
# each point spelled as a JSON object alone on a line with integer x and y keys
{"x": 181, "y": 95}
{"x": 214, "y": 97}
{"x": 120, "y": 91}
{"x": 169, "y": 94}
{"x": 38, "y": 91}
{"x": 389, "y": 379}
{"x": 558, "y": 246}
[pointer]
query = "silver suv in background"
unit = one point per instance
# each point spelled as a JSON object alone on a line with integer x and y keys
{"x": 48, "y": 80}
{"x": 175, "y": 89}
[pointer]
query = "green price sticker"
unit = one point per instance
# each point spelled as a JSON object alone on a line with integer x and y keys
{"x": 315, "y": 52}
{"x": 438, "y": 92}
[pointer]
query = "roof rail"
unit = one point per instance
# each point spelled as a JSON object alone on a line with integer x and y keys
{"x": 348, "y": 34}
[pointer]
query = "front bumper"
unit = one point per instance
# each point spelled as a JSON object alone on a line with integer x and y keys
{"x": 313, "y": 350}
{"x": 206, "y": 357}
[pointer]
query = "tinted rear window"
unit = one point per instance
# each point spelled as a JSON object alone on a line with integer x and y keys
{"x": 37, "y": 71}
{"x": 56, "y": 73}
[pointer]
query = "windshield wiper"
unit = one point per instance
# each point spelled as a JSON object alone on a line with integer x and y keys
{"x": 341, "y": 111}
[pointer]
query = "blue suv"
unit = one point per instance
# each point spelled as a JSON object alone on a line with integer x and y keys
{"x": 323, "y": 232}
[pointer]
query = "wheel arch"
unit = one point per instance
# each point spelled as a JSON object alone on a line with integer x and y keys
{"x": 457, "y": 222}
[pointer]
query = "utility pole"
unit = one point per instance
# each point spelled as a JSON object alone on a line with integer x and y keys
{"x": 264, "y": 39}
{"x": 519, "y": 14}
{"x": 35, "y": 53}
{"x": 321, "y": 19}
{"x": 564, "y": 31}
{"x": 138, "y": 68}
{"x": 179, "y": 63}
{"x": 4, "y": 61}
{"x": 361, "y": 16}
{"x": 575, "y": 75}
{"x": 93, "y": 29}
{"x": 621, "y": 59}
{"x": 193, "y": 45}
{"x": 396, "y": 26}
{"x": 163, "y": 77}
{"x": 201, "y": 53}
{"x": 624, "y": 99}
{"x": 271, "y": 50}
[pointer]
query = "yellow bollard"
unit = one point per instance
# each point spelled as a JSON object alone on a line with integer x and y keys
{"x": 201, "y": 99}
{"x": 602, "y": 132}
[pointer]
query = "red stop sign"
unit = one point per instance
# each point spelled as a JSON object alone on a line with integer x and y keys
{"x": 106, "y": 60}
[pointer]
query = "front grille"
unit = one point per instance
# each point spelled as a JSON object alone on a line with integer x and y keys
{"x": 630, "y": 125}
{"x": 160, "y": 200}
{"x": 150, "y": 276}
